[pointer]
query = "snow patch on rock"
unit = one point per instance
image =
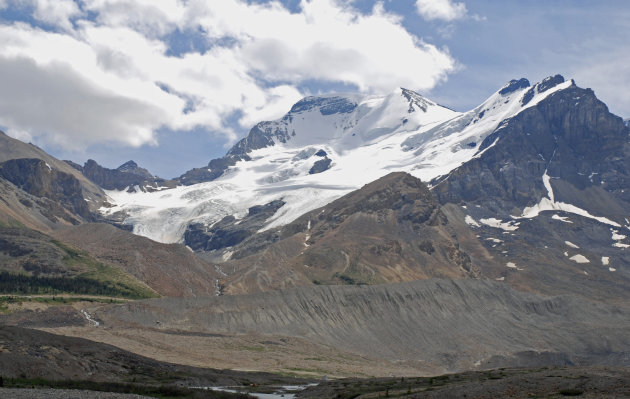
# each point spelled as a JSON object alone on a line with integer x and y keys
{"x": 579, "y": 259}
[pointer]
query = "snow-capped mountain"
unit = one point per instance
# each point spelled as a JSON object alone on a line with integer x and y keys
{"x": 325, "y": 147}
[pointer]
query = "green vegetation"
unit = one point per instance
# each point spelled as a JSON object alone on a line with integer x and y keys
{"x": 36, "y": 264}
{"x": 100, "y": 272}
{"x": 5, "y": 301}
{"x": 156, "y": 391}
{"x": 31, "y": 285}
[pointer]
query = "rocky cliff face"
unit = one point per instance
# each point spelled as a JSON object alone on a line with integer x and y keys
{"x": 12, "y": 149}
{"x": 571, "y": 135}
{"x": 229, "y": 231}
{"x": 548, "y": 191}
{"x": 39, "y": 179}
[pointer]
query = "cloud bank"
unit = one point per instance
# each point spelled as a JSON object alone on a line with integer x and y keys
{"x": 116, "y": 71}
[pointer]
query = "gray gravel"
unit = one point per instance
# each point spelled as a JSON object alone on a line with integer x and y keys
{"x": 47, "y": 393}
{"x": 454, "y": 324}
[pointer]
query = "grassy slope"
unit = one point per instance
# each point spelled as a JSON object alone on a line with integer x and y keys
{"x": 34, "y": 263}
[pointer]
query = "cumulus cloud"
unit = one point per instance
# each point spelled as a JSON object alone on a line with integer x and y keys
{"x": 445, "y": 10}
{"x": 108, "y": 73}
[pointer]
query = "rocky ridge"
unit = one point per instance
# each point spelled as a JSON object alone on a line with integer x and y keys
{"x": 128, "y": 176}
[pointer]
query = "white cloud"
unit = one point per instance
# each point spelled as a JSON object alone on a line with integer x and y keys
{"x": 56, "y": 12}
{"x": 151, "y": 17}
{"x": 445, "y": 10}
{"x": 113, "y": 79}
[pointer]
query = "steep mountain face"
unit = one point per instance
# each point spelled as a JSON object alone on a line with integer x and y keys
{"x": 128, "y": 176}
{"x": 390, "y": 230}
{"x": 39, "y": 192}
{"x": 550, "y": 191}
{"x": 569, "y": 138}
{"x": 39, "y": 179}
{"x": 341, "y": 121}
{"x": 12, "y": 149}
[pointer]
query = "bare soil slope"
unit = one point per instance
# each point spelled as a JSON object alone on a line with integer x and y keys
{"x": 170, "y": 269}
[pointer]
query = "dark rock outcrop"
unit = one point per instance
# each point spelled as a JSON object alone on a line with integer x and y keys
{"x": 320, "y": 166}
{"x": 571, "y": 134}
{"x": 229, "y": 231}
{"x": 514, "y": 85}
{"x": 110, "y": 179}
{"x": 215, "y": 169}
{"x": 326, "y": 105}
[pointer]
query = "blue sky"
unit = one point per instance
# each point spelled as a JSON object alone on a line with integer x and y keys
{"x": 172, "y": 83}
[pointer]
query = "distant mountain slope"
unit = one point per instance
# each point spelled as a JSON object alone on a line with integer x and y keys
{"x": 11, "y": 149}
{"x": 549, "y": 196}
{"x": 34, "y": 263}
{"x": 391, "y": 230}
{"x": 169, "y": 269}
{"x": 40, "y": 195}
{"x": 128, "y": 176}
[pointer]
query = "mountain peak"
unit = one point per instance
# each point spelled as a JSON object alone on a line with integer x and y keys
{"x": 132, "y": 167}
{"x": 328, "y": 105}
{"x": 416, "y": 100}
{"x": 127, "y": 165}
{"x": 514, "y": 85}
{"x": 549, "y": 82}
{"x": 556, "y": 82}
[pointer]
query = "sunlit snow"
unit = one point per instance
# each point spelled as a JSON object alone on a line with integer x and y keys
{"x": 548, "y": 204}
{"x": 496, "y": 223}
{"x": 561, "y": 218}
{"x": 579, "y": 258}
{"x": 470, "y": 221}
